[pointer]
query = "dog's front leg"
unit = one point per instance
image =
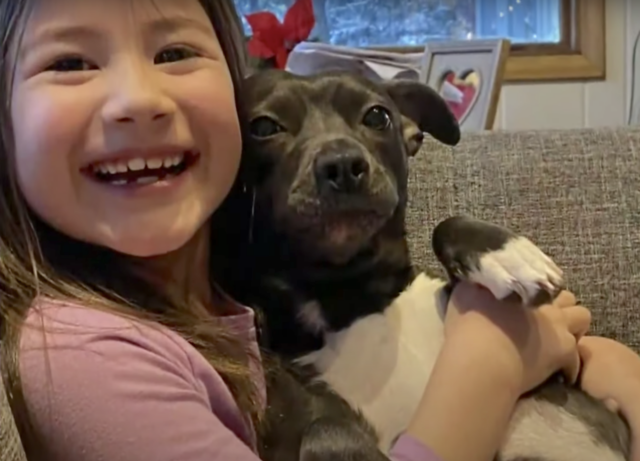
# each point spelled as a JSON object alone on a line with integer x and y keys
{"x": 495, "y": 258}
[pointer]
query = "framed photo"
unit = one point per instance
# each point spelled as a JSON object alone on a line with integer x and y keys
{"x": 469, "y": 75}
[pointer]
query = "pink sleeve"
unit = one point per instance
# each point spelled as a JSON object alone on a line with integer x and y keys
{"x": 119, "y": 395}
{"x": 407, "y": 448}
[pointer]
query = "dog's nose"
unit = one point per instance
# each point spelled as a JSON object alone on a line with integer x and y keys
{"x": 342, "y": 172}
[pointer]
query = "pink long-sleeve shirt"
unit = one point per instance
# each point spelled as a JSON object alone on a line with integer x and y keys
{"x": 101, "y": 387}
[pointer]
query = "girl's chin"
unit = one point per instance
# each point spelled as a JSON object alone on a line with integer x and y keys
{"x": 149, "y": 245}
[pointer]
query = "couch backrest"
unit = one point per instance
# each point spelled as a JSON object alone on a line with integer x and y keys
{"x": 575, "y": 193}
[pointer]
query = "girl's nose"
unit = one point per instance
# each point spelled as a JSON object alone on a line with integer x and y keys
{"x": 137, "y": 99}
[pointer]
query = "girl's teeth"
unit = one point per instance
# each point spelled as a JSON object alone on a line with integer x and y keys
{"x": 154, "y": 163}
{"x": 147, "y": 180}
{"x": 136, "y": 164}
{"x": 141, "y": 181}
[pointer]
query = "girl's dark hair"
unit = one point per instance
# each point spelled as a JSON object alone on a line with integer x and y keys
{"x": 36, "y": 260}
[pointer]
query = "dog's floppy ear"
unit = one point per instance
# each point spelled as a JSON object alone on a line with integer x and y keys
{"x": 425, "y": 110}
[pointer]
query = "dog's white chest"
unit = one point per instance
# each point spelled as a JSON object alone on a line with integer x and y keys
{"x": 381, "y": 364}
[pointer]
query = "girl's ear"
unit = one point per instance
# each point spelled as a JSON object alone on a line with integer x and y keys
{"x": 423, "y": 108}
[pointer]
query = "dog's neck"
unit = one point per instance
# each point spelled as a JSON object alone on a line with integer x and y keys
{"x": 305, "y": 299}
{"x": 386, "y": 252}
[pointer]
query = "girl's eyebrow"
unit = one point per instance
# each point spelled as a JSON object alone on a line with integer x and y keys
{"x": 83, "y": 33}
{"x": 173, "y": 24}
{"x": 51, "y": 34}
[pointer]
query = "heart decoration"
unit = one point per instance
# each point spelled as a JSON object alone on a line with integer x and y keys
{"x": 468, "y": 84}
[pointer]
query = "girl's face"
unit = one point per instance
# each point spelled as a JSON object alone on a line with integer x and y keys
{"x": 125, "y": 124}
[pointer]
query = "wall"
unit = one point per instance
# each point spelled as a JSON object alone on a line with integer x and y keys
{"x": 582, "y": 104}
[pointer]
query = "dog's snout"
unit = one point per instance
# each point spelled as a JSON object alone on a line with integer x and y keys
{"x": 341, "y": 172}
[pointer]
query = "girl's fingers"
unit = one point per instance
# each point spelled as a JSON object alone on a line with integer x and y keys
{"x": 612, "y": 405}
{"x": 571, "y": 368}
{"x": 565, "y": 299}
{"x": 578, "y": 320}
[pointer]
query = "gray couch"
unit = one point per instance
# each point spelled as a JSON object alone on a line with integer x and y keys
{"x": 575, "y": 193}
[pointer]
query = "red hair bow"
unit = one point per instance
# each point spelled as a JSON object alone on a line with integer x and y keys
{"x": 274, "y": 40}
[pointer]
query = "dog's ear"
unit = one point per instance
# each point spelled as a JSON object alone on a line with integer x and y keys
{"x": 413, "y": 136}
{"x": 423, "y": 110}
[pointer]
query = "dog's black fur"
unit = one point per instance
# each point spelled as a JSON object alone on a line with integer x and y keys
{"x": 328, "y": 192}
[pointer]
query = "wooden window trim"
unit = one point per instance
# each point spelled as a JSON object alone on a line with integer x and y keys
{"x": 580, "y": 55}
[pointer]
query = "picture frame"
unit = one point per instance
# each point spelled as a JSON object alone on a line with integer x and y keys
{"x": 469, "y": 75}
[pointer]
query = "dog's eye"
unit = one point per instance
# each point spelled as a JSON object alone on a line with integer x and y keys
{"x": 264, "y": 127}
{"x": 377, "y": 118}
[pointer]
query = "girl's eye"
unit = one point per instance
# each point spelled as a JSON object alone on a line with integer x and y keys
{"x": 173, "y": 55}
{"x": 74, "y": 64}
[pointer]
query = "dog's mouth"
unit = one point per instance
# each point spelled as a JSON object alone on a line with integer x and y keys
{"x": 335, "y": 236}
{"x": 342, "y": 228}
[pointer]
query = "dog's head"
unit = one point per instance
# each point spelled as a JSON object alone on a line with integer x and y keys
{"x": 332, "y": 153}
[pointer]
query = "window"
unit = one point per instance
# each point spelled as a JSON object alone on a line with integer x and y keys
{"x": 545, "y": 34}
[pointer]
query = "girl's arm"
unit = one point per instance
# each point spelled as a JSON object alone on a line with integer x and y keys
{"x": 467, "y": 405}
{"x": 101, "y": 387}
{"x": 493, "y": 352}
{"x": 611, "y": 372}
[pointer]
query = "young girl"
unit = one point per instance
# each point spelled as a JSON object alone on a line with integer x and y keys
{"x": 120, "y": 141}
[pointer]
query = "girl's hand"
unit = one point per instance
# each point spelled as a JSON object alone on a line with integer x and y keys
{"x": 527, "y": 344}
{"x": 610, "y": 372}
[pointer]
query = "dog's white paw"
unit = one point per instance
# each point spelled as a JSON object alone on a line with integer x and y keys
{"x": 520, "y": 267}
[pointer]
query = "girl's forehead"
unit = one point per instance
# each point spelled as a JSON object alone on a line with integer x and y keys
{"x": 50, "y": 14}
{"x": 91, "y": 21}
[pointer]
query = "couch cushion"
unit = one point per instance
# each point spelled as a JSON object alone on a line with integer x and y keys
{"x": 575, "y": 193}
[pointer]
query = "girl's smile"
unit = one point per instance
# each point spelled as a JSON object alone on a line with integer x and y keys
{"x": 158, "y": 166}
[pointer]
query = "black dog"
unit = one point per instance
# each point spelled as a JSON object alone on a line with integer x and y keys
{"x": 357, "y": 329}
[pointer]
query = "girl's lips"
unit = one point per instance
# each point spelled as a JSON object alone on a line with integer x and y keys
{"x": 141, "y": 172}
{"x": 145, "y": 187}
